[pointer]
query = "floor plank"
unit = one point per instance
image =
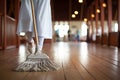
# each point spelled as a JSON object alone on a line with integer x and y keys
{"x": 83, "y": 71}
{"x": 71, "y": 73}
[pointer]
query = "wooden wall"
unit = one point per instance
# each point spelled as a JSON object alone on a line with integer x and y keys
{"x": 8, "y": 23}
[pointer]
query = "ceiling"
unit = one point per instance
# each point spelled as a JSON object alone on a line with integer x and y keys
{"x": 63, "y": 9}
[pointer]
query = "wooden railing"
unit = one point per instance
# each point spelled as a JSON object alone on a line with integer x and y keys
{"x": 10, "y": 32}
{"x": 104, "y": 39}
{"x": 113, "y": 39}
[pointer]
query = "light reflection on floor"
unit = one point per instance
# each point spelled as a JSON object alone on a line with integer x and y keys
{"x": 83, "y": 52}
{"x": 61, "y": 52}
{"x": 116, "y": 56}
{"x": 22, "y": 53}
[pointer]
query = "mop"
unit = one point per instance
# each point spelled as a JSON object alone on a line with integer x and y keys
{"x": 37, "y": 62}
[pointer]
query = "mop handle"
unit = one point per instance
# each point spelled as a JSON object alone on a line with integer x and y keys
{"x": 34, "y": 22}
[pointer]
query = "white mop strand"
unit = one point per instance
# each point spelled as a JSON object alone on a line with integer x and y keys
{"x": 38, "y": 65}
{"x": 38, "y": 62}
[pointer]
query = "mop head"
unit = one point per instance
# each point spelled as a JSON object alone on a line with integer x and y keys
{"x": 37, "y": 63}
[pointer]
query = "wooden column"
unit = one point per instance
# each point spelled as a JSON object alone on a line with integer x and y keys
{"x": 70, "y": 4}
{"x": 17, "y": 8}
{"x": 1, "y": 35}
{"x": 109, "y": 15}
{"x": 4, "y": 22}
{"x": 119, "y": 23}
{"x": 109, "y": 19}
{"x": 96, "y": 21}
{"x": 1, "y": 26}
{"x": 88, "y": 24}
{"x": 70, "y": 11}
{"x": 92, "y": 29}
{"x": 102, "y": 20}
{"x": 96, "y": 15}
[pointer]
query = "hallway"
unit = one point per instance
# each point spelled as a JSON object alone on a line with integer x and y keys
{"x": 78, "y": 61}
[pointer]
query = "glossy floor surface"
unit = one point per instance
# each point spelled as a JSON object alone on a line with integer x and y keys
{"x": 77, "y": 61}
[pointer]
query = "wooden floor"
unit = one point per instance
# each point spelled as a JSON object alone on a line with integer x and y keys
{"x": 77, "y": 61}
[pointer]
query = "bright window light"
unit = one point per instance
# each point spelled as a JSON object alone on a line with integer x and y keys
{"x": 22, "y": 34}
{"x": 84, "y": 29}
{"x": 116, "y": 27}
{"x": 62, "y": 28}
{"x": 99, "y": 31}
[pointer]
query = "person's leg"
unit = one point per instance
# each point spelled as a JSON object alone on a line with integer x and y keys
{"x": 30, "y": 42}
{"x": 29, "y": 37}
{"x": 41, "y": 41}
